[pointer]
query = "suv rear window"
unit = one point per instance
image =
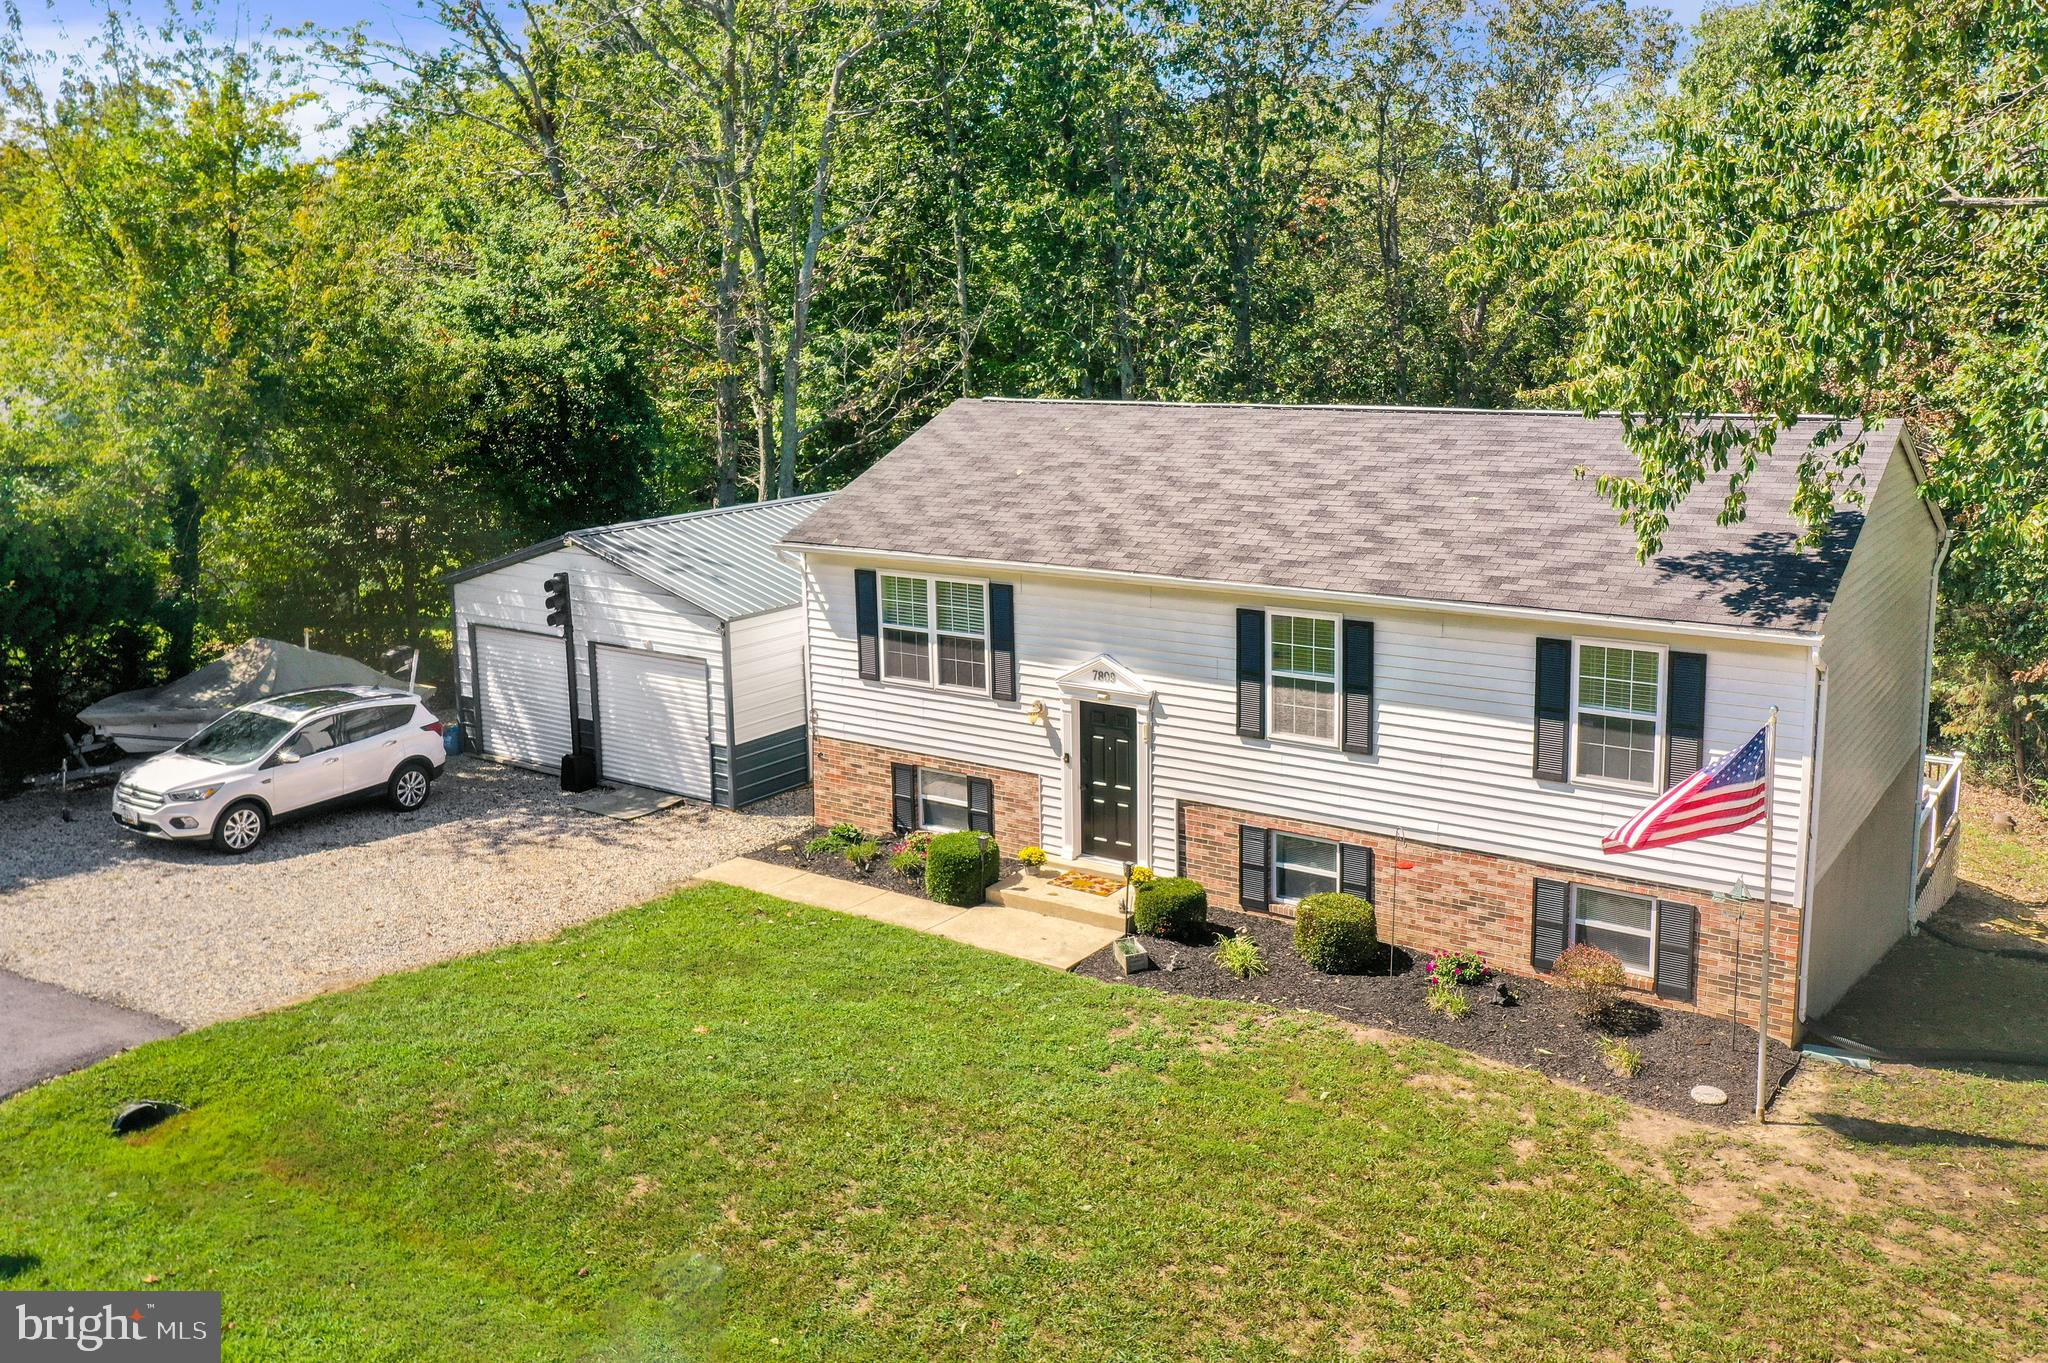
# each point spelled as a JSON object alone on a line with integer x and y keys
{"x": 361, "y": 724}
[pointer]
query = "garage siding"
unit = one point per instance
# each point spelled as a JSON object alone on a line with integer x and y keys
{"x": 610, "y": 607}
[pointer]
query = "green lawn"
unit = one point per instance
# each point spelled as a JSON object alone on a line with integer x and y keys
{"x": 724, "y": 1125}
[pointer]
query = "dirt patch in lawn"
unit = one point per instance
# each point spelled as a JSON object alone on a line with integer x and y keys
{"x": 1539, "y": 1032}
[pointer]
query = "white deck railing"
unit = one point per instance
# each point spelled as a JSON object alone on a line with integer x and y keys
{"x": 1941, "y": 804}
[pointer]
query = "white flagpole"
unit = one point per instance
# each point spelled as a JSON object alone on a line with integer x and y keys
{"x": 1763, "y": 997}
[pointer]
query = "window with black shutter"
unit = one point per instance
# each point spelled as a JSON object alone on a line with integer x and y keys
{"x": 981, "y": 806}
{"x": 1550, "y": 922}
{"x": 1355, "y": 873}
{"x": 1359, "y": 733}
{"x": 1678, "y": 938}
{"x": 1251, "y": 866}
{"x": 1553, "y": 709}
{"x": 1002, "y": 640}
{"x": 903, "y": 790}
{"x": 1685, "y": 716}
{"x": 867, "y": 613}
{"x": 1251, "y": 673}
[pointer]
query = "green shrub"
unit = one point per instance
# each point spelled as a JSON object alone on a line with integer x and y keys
{"x": 1459, "y": 967}
{"x": 1175, "y": 907}
{"x": 1593, "y": 977}
{"x": 907, "y": 863}
{"x": 824, "y": 845}
{"x": 1336, "y": 933}
{"x": 1622, "y": 1056}
{"x": 1241, "y": 957}
{"x": 861, "y": 855}
{"x": 1448, "y": 999}
{"x": 959, "y": 867}
{"x": 846, "y": 832}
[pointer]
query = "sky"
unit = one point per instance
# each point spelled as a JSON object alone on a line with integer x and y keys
{"x": 67, "y": 25}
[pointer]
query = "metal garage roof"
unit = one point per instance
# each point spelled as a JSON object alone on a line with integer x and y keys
{"x": 723, "y": 559}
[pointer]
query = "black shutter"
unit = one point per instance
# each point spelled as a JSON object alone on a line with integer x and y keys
{"x": 1358, "y": 727}
{"x": 1678, "y": 934}
{"x": 1553, "y": 709}
{"x": 1685, "y": 715}
{"x": 981, "y": 807}
{"x": 867, "y": 613}
{"x": 1002, "y": 640}
{"x": 1354, "y": 870}
{"x": 1251, "y": 673}
{"x": 1251, "y": 867}
{"x": 903, "y": 789}
{"x": 1551, "y": 923}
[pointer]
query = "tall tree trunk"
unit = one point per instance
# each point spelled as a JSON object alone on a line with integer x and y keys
{"x": 806, "y": 279}
{"x": 1119, "y": 257}
{"x": 956, "y": 195}
{"x": 182, "y": 619}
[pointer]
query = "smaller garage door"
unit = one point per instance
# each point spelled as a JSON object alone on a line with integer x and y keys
{"x": 654, "y": 721}
{"x": 523, "y": 696}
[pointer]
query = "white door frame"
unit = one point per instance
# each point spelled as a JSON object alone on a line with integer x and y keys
{"x": 1104, "y": 681}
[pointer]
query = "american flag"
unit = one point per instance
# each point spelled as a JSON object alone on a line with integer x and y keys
{"x": 1726, "y": 794}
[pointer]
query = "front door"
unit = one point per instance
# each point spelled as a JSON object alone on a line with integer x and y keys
{"x": 1109, "y": 782}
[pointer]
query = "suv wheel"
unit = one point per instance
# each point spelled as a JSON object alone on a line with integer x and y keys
{"x": 408, "y": 786}
{"x": 241, "y": 827}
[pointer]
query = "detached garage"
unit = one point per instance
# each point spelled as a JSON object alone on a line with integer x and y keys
{"x": 684, "y": 666}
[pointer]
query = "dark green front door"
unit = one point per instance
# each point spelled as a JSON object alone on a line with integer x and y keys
{"x": 1109, "y": 782}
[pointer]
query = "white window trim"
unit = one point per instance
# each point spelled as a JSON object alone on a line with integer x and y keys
{"x": 1657, "y": 744}
{"x": 1336, "y": 871}
{"x": 932, "y": 631}
{"x": 1656, "y": 912}
{"x": 1336, "y": 678}
{"x": 966, "y": 805}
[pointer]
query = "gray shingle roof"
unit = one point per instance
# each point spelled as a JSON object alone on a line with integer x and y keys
{"x": 1420, "y": 503}
{"x": 723, "y": 559}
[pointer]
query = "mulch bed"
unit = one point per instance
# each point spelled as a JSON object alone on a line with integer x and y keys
{"x": 790, "y": 852}
{"x": 1540, "y": 1032}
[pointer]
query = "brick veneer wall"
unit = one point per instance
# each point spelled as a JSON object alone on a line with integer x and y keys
{"x": 1450, "y": 898}
{"x": 850, "y": 784}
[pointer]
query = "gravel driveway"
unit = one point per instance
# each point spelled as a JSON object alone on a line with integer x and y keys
{"x": 496, "y": 856}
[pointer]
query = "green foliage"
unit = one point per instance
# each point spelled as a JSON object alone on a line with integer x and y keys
{"x": 1593, "y": 977}
{"x": 1034, "y": 857}
{"x": 1240, "y": 956}
{"x": 845, "y": 832}
{"x": 1621, "y": 1055}
{"x": 959, "y": 868}
{"x": 828, "y": 845}
{"x": 1172, "y": 906}
{"x": 861, "y": 854}
{"x": 1336, "y": 933}
{"x": 1459, "y": 967}
{"x": 907, "y": 863}
{"x": 1447, "y": 999}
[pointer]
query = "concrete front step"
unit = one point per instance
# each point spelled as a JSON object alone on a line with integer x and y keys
{"x": 1038, "y": 894}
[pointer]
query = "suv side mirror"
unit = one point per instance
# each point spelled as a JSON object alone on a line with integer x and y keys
{"x": 284, "y": 755}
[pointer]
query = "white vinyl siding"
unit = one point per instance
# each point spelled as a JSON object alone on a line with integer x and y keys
{"x": 767, "y": 674}
{"x": 1454, "y": 693}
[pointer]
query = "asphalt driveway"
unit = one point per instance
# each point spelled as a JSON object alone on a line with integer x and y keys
{"x": 46, "y": 1031}
{"x": 187, "y": 934}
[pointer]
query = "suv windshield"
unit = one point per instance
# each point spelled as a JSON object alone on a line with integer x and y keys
{"x": 237, "y": 736}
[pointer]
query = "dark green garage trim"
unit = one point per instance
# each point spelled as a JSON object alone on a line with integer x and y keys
{"x": 767, "y": 766}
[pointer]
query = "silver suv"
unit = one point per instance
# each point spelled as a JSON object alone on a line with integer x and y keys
{"x": 285, "y": 757}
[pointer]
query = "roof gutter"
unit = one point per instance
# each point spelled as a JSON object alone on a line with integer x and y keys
{"x": 1748, "y": 633}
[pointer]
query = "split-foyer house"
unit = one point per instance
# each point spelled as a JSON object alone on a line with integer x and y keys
{"x": 1409, "y": 653}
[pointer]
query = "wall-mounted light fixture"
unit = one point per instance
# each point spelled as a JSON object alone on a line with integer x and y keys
{"x": 1036, "y": 714}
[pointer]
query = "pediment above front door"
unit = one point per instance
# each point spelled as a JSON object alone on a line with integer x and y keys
{"x": 1103, "y": 678}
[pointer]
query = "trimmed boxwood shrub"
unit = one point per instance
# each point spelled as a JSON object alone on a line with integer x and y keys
{"x": 1175, "y": 907}
{"x": 959, "y": 867}
{"x": 1337, "y": 934}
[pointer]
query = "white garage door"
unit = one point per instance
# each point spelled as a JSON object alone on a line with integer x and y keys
{"x": 654, "y": 721}
{"x": 523, "y": 696}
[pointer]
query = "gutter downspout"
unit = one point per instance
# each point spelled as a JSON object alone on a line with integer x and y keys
{"x": 1811, "y": 872}
{"x": 1926, "y": 707}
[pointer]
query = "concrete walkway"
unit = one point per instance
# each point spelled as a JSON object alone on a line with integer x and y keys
{"x": 1057, "y": 942}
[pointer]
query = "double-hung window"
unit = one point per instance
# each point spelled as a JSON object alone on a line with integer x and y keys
{"x": 941, "y": 800}
{"x": 1618, "y": 713}
{"x": 935, "y": 629}
{"x": 1624, "y": 925}
{"x": 1302, "y": 867}
{"x": 1303, "y": 676}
